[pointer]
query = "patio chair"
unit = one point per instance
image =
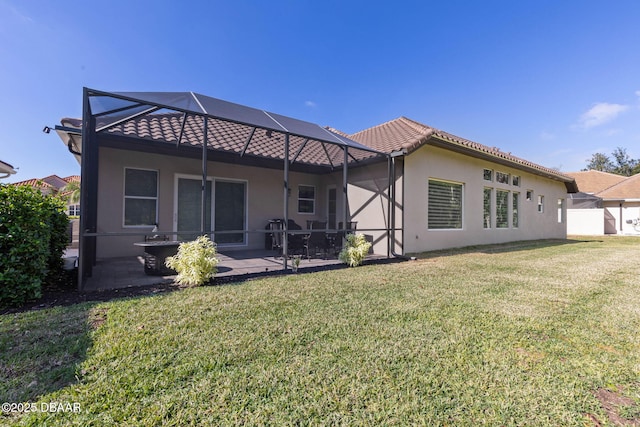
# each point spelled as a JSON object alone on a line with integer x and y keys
{"x": 317, "y": 240}
{"x": 275, "y": 226}
{"x": 295, "y": 241}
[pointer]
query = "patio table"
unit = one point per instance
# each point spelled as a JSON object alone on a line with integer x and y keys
{"x": 155, "y": 254}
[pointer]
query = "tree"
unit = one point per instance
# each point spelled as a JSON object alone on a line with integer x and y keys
{"x": 624, "y": 165}
{"x": 73, "y": 188}
{"x": 600, "y": 162}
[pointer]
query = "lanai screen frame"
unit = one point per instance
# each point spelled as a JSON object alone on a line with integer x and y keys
{"x": 207, "y": 108}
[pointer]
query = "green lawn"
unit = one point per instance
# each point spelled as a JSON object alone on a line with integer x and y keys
{"x": 541, "y": 333}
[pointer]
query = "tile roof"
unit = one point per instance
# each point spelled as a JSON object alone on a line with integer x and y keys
{"x": 49, "y": 183}
{"x": 395, "y": 135}
{"x": 409, "y": 135}
{"x": 227, "y": 137}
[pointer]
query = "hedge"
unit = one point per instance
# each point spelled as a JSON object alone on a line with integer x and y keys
{"x": 33, "y": 236}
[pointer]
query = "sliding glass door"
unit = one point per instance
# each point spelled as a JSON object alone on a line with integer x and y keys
{"x": 230, "y": 211}
{"x": 226, "y": 209}
{"x": 188, "y": 210}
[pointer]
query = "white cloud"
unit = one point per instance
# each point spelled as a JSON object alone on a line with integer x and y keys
{"x": 600, "y": 114}
{"x": 638, "y": 92}
{"x": 310, "y": 104}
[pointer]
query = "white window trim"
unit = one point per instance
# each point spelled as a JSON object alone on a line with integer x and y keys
{"x": 125, "y": 197}
{"x": 515, "y": 209}
{"x": 491, "y": 203}
{"x": 540, "y": 203}
{"x": 462, "y": 213}
{"x": 508, "y": 175}
{"x": 315, "y": 193}
{"x": 508, "y": 210}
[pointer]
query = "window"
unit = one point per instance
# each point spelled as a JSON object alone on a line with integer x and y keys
{"x": 445, "y": 205}
{"x": 488, "y": 175}
{"x": 140, "y": 197}
{"x": 73, "y": 210}
{"x": 541, "y": 204}
{"x": 515, "y": 207}
{"x": 487, "y": 207}
{"x": 515, "y": 180}
{"x": 306, "y": 199}
{"x": 502, "y": 178}
{"x": 529, "y": 195}
{"x": 502, "y": 209}
{"x": 560, "y": 211}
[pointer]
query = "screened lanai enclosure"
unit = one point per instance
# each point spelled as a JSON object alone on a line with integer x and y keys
{"x": 180, "y": 164}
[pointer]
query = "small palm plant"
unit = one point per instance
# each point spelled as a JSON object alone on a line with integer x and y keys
{"x": 195, "y": 262}
{"x": 355, "y": 250}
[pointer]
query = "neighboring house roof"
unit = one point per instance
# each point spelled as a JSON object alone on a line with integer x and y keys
{"x": 49, "y": 184}
{"x": 593, "y": 181}
{"x": 55, "y": 181}
{"x": 627, "y": 189}
{"x": 404, "y": 134}
{"x": 6, "y": 169}
{"x": 608, "y": 186}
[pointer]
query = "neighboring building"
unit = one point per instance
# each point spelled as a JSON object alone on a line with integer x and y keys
{"x": 606, "y": 204}
{"x": 6, "y": 170}
{"x": 53, "y": 184}
{"x": 409, "y": 187}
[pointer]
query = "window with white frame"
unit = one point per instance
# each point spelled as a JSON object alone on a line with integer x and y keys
{"x": 529, "y": 195}
{"x": 487, "y": 175}
{"x": 140, "y": 197}
{"x": 73, "y": 210}
{"x": 445, "y": 205}
{"x": 502, "y": 209}
{"x": 515, "y": 210}
{"x": 515, "y": 180}
{"x": 541, "y": 204}
{"x": 487, "y": 207}
{"x": 560, "y": 211}
{"x": 502, "y": 178}
{"x": 306, "y": 199}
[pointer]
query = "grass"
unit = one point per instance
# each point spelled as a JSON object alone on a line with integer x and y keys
{"x": 526, "y": 334}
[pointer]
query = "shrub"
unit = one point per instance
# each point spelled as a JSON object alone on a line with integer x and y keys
{"x": 33, "y": 236}
{"x": 355, "y": 250}
{"x": 195, "y": 262}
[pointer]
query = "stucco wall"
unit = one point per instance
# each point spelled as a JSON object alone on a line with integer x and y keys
{"x": 585, "y": 222}
{"x": 618, "y": 216}
{"x": 369, "y": 203}
{"x": 436, "y": 163}
{"x": 264, "y": 193}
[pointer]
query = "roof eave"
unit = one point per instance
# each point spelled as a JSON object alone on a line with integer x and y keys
{"x": 437, "y": 141}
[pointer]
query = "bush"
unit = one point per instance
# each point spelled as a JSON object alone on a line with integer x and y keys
{"x": 355, "y": 250}
{"x": 195, "y": 262}
{"x": 33, "y": 236}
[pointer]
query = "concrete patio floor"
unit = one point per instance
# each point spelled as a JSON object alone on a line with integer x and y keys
{"x": 118, "y": 273}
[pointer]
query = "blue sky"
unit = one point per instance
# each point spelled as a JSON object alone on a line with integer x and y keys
{"x": 550, "y": 81}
